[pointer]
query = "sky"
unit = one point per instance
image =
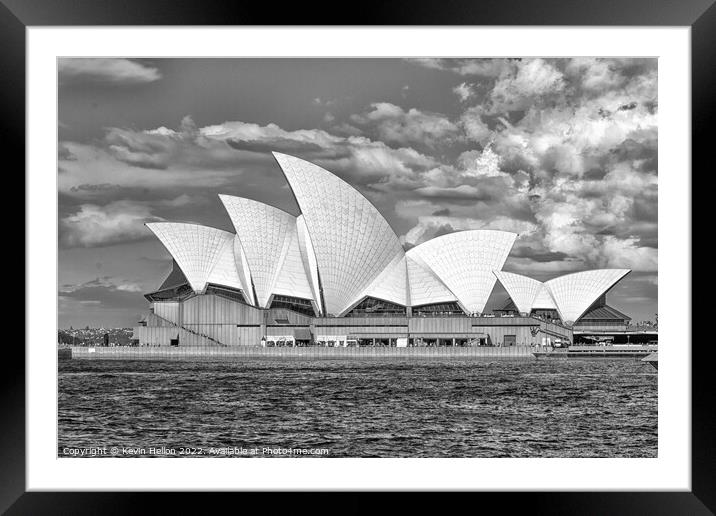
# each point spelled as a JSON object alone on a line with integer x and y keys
{"x": 561, "y": 151}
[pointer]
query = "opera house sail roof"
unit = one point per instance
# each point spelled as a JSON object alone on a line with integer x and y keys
{"x": 575, "y": 293}
{"x": 570, "y": 295}
{"x": 523, "y": 290}
{"x": 340, "y": 255}
{"x": 269, "y": 237}
{"x": 464, "y": 261}
{"x": 353, "y": 243}
{"x": 199, "y": 251}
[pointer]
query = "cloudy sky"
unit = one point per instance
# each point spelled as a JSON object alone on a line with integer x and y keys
{"x": 561, "y": 151}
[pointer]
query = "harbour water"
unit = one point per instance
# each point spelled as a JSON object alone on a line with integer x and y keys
{"x": 448, "y": 407}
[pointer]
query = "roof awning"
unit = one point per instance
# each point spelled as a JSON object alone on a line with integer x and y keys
{"x": 302, "y": 334}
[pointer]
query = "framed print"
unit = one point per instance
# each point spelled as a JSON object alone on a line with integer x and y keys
{"x": 424, "y": 252}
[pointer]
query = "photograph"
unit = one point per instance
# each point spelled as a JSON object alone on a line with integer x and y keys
{"x": 384, "y": 257}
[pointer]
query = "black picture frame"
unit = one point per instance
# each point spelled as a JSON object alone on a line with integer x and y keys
{"x": 700, "y": 15}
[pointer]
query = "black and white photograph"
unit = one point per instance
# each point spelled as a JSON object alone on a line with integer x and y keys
{"x": 357, "y": 257}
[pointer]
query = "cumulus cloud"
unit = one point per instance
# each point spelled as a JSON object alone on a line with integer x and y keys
{"x": 392, "y": 124}
{"x": 231, "y": 157}
{"x": 464, "y": 91}
{"x": 627, "y": 253}
{"x": 118, "y": 71}
{"x": 474, "y": 125}
{"x": 574, "y": 138}
{"x": 529, "y": 82}
{"x": 358, "y": 158}
{"x": 94, "y": 226}
{"x": 162, "y": 147}
{"x": 595, "y": 75}
{"x": 485, "y": 163}
{"x": 161, "y": 161}
{"x": 429, "y": 227}
{"x": 562, "y": 151}
{"x": 567, "y": 146}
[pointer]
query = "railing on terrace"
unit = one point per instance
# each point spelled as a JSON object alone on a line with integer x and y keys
{"x": 367, "y": 315}
{"x": 614, "y": 328}
{"x": 299, "y": 353}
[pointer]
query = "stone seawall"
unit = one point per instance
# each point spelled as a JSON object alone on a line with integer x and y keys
{"x": 309, "y": 353}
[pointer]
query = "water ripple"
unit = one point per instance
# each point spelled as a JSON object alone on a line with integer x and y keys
{"x": 449, "y": 408}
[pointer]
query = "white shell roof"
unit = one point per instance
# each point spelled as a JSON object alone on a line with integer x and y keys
{"x": 575, "y": 293}
{"x": 195, "y": 248}
{"x": 244, "y": 272}
{"x": 226, "y": 270}
{"x": 292, "y": 279}
{"x": 571, "y": 295}
{"x": 352, "y": 241}
{"x": 425, "y": 287}
{"x": 308, "y": 255}
{"x": 390, "y": 285}
{"x": 464, "y": 261}
{"x": 269, "y": 240}
{"x": 522, "y": 290}
{"x": 544, "y": 300}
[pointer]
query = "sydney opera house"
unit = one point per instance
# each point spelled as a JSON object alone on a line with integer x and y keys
{"x": 337, "y": 275}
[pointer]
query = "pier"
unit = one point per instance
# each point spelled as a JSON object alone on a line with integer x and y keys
{"x": 618, "y": 351}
